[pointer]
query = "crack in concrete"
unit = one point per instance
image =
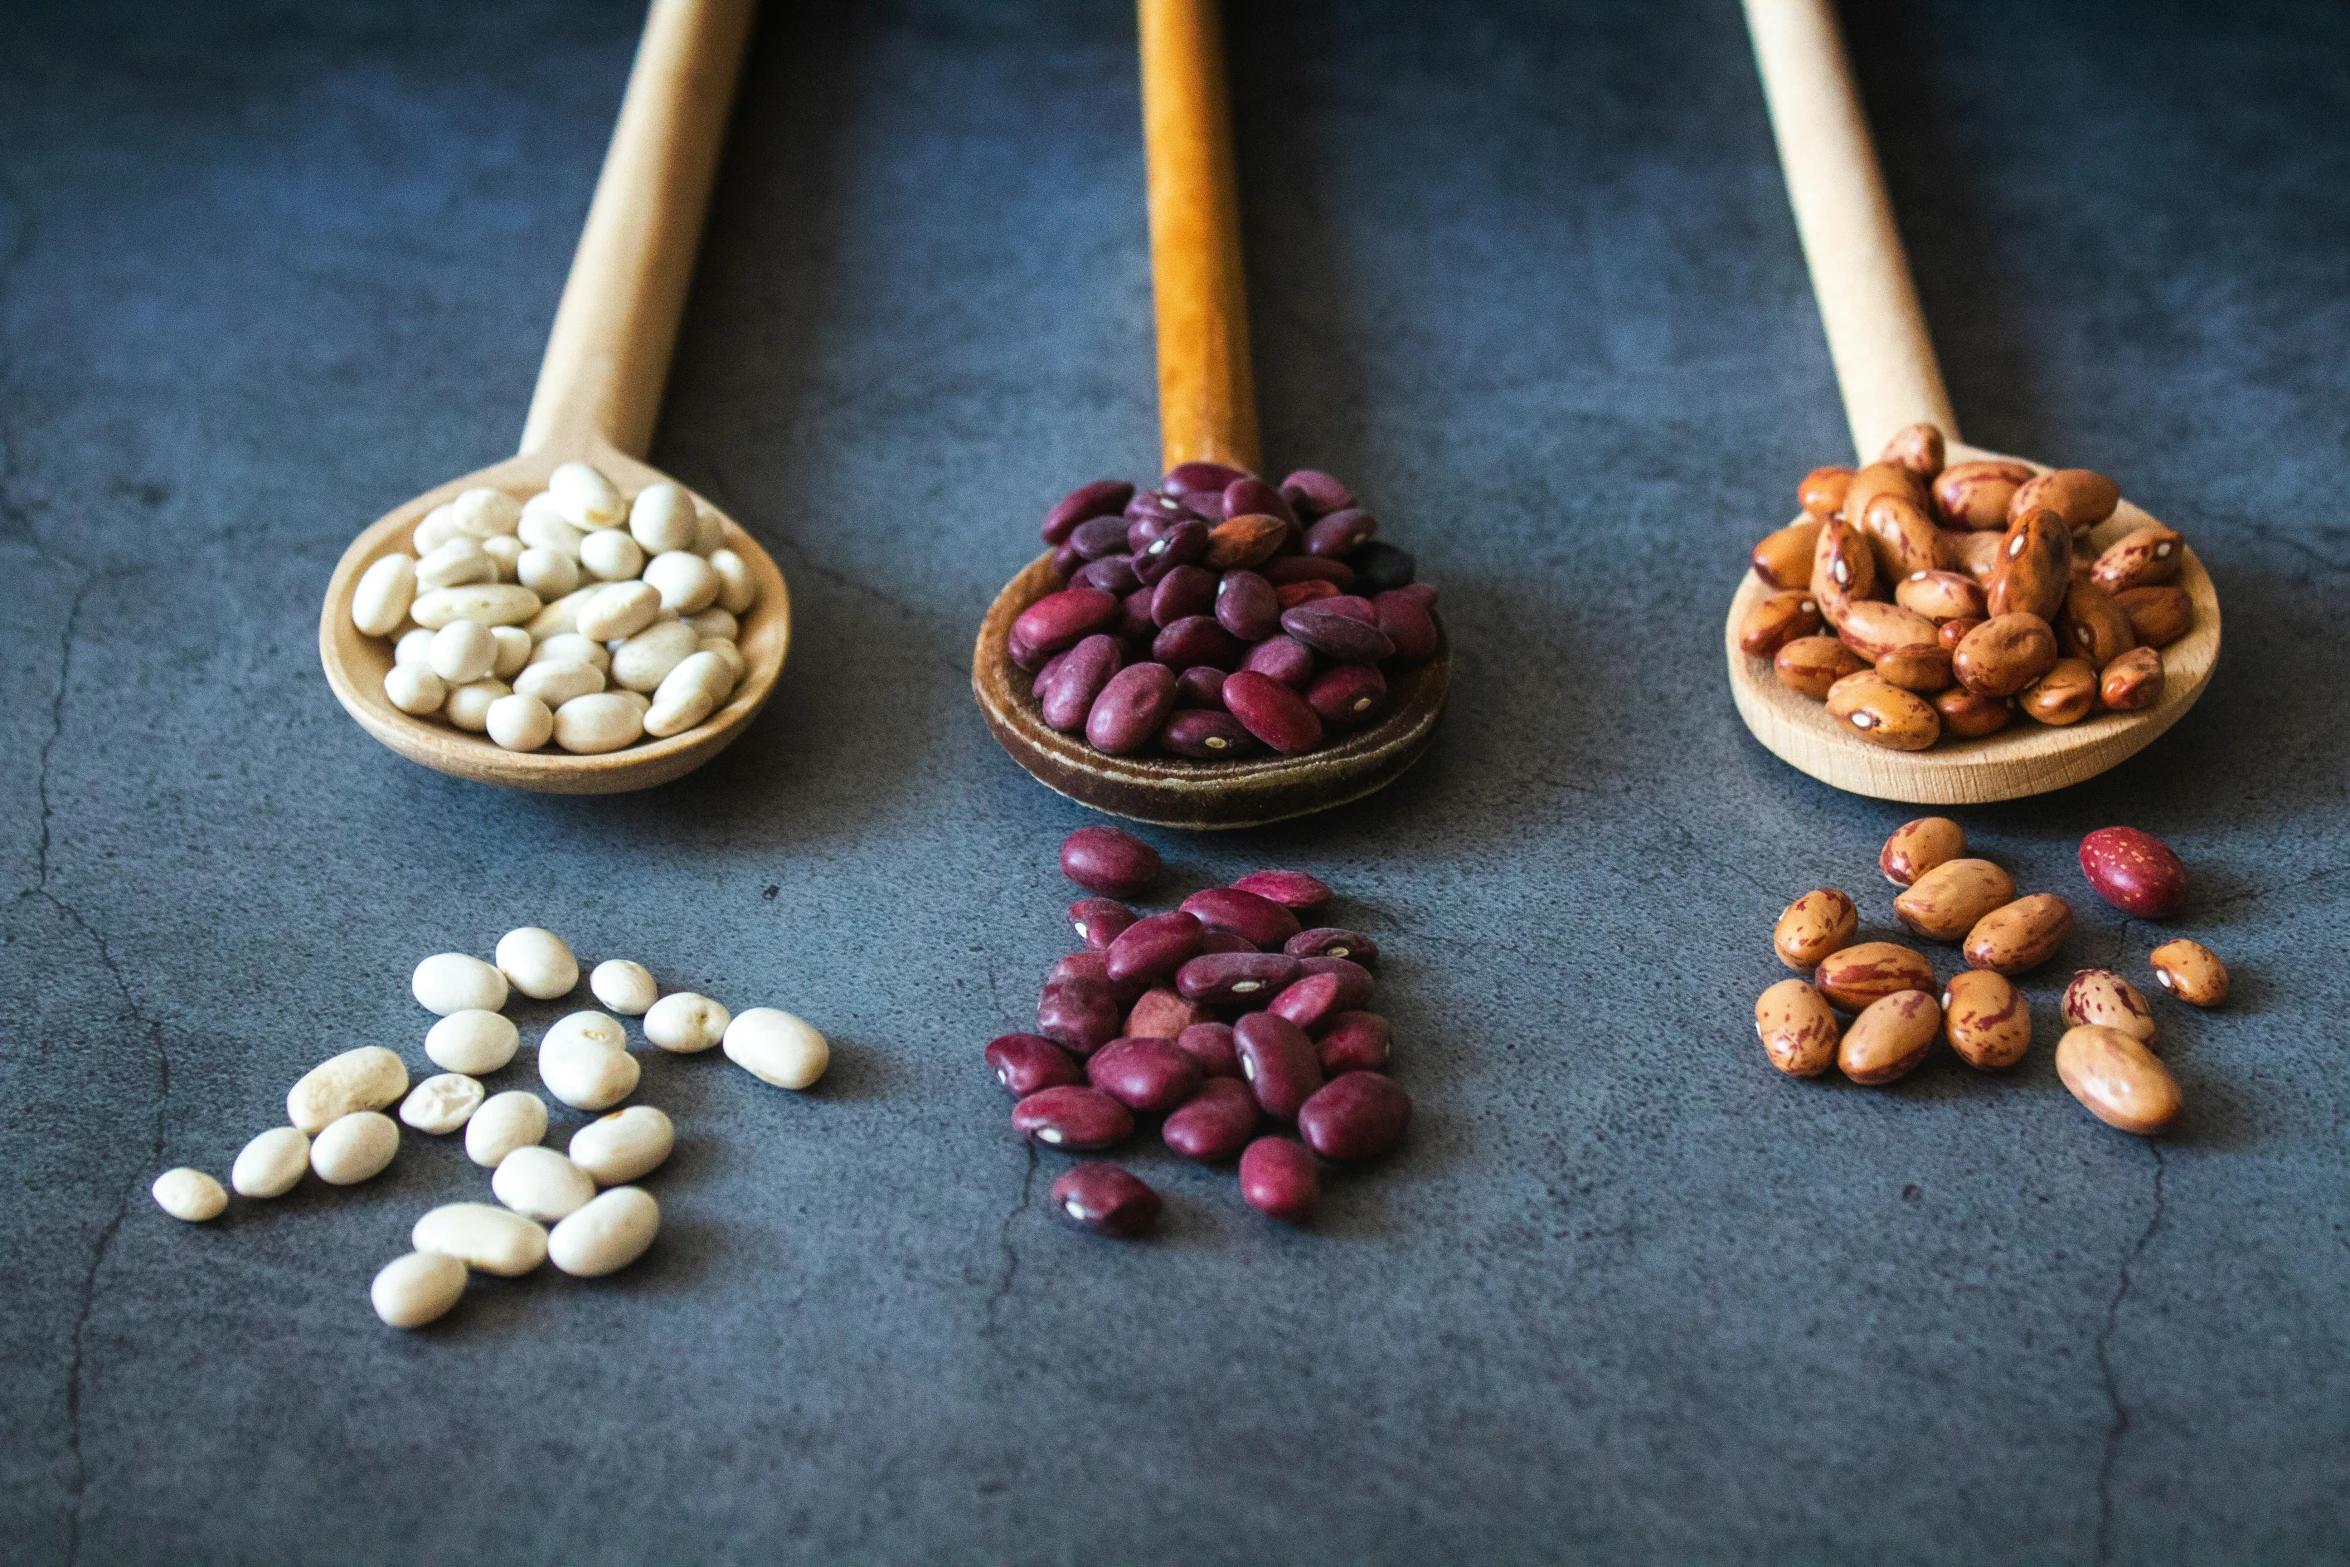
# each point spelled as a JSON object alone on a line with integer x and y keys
{"x": 2119, "y": 1425}
{"x": 1011, "y": 1254}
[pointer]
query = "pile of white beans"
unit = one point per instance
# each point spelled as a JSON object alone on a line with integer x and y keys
{"x": 576, "y": 1209}
{"x": 575, "y": 617}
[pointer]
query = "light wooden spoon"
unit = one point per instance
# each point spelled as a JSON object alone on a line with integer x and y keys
{"x": 598, "y": 395}
{"x": 1886, "y": 370}
{"x": 1207, "y": 413}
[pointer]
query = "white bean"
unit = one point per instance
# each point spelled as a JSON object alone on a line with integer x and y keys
{"x": 539, "y": 963}
{"x": 514, "y": 1119}
{"x": 637, "y": 702}
{"x": 644, "y": 660}
{"x": 541, "y": 1184}
{"x": 482, "y": 1235}
{"x": 469, "y": 705}
{"x": 623, "y": 1146}
{"x": 442, "y": 1104}
{"x": 505, "y": 553}
{"x": 595, "y": 1027}
{"x": 189, "y": 1194}
{"x": 685, "y": 580}
{"x": 272, "y": 1164}
{"x": 585, "y": 497}
{"x": 586, "y": 1074}
{"x": 463, "y": 651}
{"x": 367, "y": 1078}
{"x": 606, "y": 721}
{"x": 542, "y": 527}
{"x": 561, "y": 618}
{"x": 728, "y": 654}
{"x": 414, "y": 688}
{"x": 514, "y": 647}
{"x": 485, "y": 513}
{"x": 354, "y": 1148}
{"x": 738, "y": 590}
{"x": 411, "y": 1291}
{"x": 715, "y": 622}
{"x": 452, "y": 982}
{"x": 684, "y": 1023}
{"x": 569, "y": 647}
{"x": 689, "y": 693}
{"x": 611, "y": 555}
{"x": 438, "y": 528}
{"x": 380, "y": 602}
{"x": 620, "y": 610}
{"x": 456, "y": 563}
{"x": 627, "y": 988}
{"x": 491, "y": 603}
{"x": 557, "y": 683}
{"x": 662, "y": 518}
{"x": 413, "y": 645}
{"x": 775, "y": 1047}
{"x": 519, "y": 723}
{"x": 473, "y": 1041}
{"x": 709, "y": 532}
{"x": 606, "y": 1235}
{"x": 546, "y": 572}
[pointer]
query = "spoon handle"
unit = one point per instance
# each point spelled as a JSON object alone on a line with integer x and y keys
{"x": 608, "y": 355}
{"x": 1207, "y": 394}
{"x": 1884, "y": 360}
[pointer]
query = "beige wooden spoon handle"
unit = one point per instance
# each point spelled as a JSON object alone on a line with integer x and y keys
{"x": 1207, "y": 394}
{"x": 1876, "y": 333}
{"x": 608, "y": 355}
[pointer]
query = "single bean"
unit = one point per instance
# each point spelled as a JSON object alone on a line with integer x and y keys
{"x": 612, "y": 556}
{"x": 2093, "y": 626}
{"x": 1261, "y": 921}
{"x": 1216, "y": 476}
{"x": 414, "y": 689}
{"x": 469, "y": 705}
{"x": 1985, "y": 1019}
{"x": 2134, "y": 871}
{"x": 1247, "y": 540}
{"x": 1089, "y": 966}
{"x": 354, "y": 1148}
{"x": 1382, "y": 568}
{"x": 1101, "y": 498}
{"x": 1877, "y": 630}
{"x": 1272, "y": 711}
{"x": 1068, "y": 688}
{"x": 367, "y": 1078}
{"x": 1098, "y": 537}
{"x": 2022, "y": 935}
{"x": 1883, "y": 713}
{"x": 1153, "y": 503}
{"x": 1777, "y": 620}
{"x": 1347, "y": 694}
{"x": 1811, "y": 666}
{"x": 582, "y": 494}
{"x": 1904, "y": 537}
{"x": 2004, "y": 654}
{"x": 1106, "y": 1200}
{"x": 620, "y": 610}
{"x": 1290, "y": 889}
{"x": 2190, "y": 971}
{"x": 557, "y": 683}
{"x": 1062, "y": 619}
{"x": 1916, "y": 847}
{"x": 624, "y": 1146}
{"x": 1149, "y": 1075}
{"x": 2103, "y": 998}
{"x": 685, "y": 1024}
{"x": 1952, "y": 632}
{"x": 2035, "y": 567}
{"x": 776, "y": 1047}
{"x": 606, "y": 1235}
{"x": 661, "y": 519}
{"x": 1109, "y": 862}
{"x": 1030, "y": 1063}
{"x": 643, "y": 661}
{"x": 380, "y": 602}
{"x": 1945, "y": 903}
{"x": 1337, "y": 634}
{"x": 2064, "y": 695}
{"x": 1783, "y": 558}
{"x": 1181, "y": 593}
{"x": 272, "y": 1164}
{"x": 419, "y": 1288}
{"x": 1309, "y": 1001}
{"x": 1355, "y": 1117}
{"x": 1917, "y": 447}
{"x": 1341, "y": 533}
{"x": 2143, "y": 558}
{"x": 1974, "y": 495}
{"x": 1208, "y": 734}
{"x": 1215, "y": 1124}
{"x": 1890, "y": 1037}
{"x": 1843, "y": 568}
{"x": 1278, "y": 1062}
{"x": 1822, "y": 492}
{"x": 1133, "y": 704}
{"x": 2132, "y": 682}
{"x": 189, "y": 1195}
{"x": 1078, "y": 1119}
{"x": 1940, "y": 596}
{"x": 605, "y": 721}
{"x": 1797, "y": 1029}
{"x": 1968, "y": 715}
{"x": 585, "y": 1072}
{"x": 1854, "y": 977}
{"x": 1184, "y": 544}
{"x": 2159, "y": 616}
{"x": 441, "y": 1104}
{"x": 1820, "y": 922}
{"x": 1292, "y": 569}
{"x": 1252, "y": 495}
{"x": 1098, "y": 921}
{"x": 541, "y": 1184}
{"x": 1197, "y": 639}
{"x": 1247, "y": 606}
{"x": 1313, "y": 492}
{"x": 1277, "y": 1178}
{"x": 537, "y": 962}
{"x": 505, "y": 1122}
{"x": 1200, "y": 686}
{"x": 492, "y": 1239}
{"x": 1153, "y": 948}
{"x": 1880, "y": 478}
{"x": 1355, "y": 983}
{"x": 1212, "y": 1046}
{"x": 1161, "y": 1012}
{"x": 491, "y": 603}
{"x": 2118, "y": 1080}
{"x": 1408, "y": 625}
{"x": 2079, "y": 497}
{"x": 1236, "y": 978}
{"x": 622, "y": 986}
{"x": 1354, "y": 1041}
{"x": 1284, "y": 659}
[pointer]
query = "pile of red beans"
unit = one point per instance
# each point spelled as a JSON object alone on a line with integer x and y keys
{"x": 1220, "y": 1016}
{"x": 1219, "y": 616}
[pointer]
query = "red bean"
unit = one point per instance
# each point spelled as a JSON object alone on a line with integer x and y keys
{"x": 1161, "y": 1012}
{"x": 2134, "y": 871}
{"x": 1080, "y": 1015}
{"x": 1290, "y": 889}
{"x": 1067, "y": 688}
{"x": 1421, "y": 591}
{"x": 1180, "y": 545}
{"x": 1143, "y": 532}
{"x": 1197, "y": 639}
{"x": 1027, "y": 1063}
{"x": 1149, "y": 1075}
{"x": 1215, "y": 1124}
{"x": 1329, "y": 941}
{"x": 1354, "y": 981}
{"x": 1210, "y": 1044}
{"x": 1281, "y": 658}
{"x": 1292, "y": 594}
{"x": 1408, "y": 625}
{"x": 1204, "y": 503}
{"x": 1135, "y": 628}
{"x": 1254, "y": 497}
{"x": 1106, "y": 1200}
{"x": 1089, "y": 965}
{"x": 1132, "y": 706}
{"x": 1207, "y": 733}
{"x": 1314, "y": 492}
{"x": 1359, "y": 1116}
{"x": 1381, "y": 568}
{"x": 1102, "y": 498}
{"x": 1291, "y": 569}
{"x": 1236, "y": 978}
{"x": 1071, "y": 1117}
{"x": 1278, "y": 1179}
{"x": 1060, "y": 620}
{"x": 1109, "y": 574}
{"x": 1202, "y": 685}
{"x": 1100, "y": 536}
{"x": 1153, "y": 503}
{"x": 1265, "y": 923}
{"x": 1347, "y": 694}
{"x": 1272, "y": 712}
{"x": 1337, "y": 634}
{"x": 1187, "y": 590}
{"x": 1278, "y": 1061}
{"x": 1186, "y": 476}
{"x": 1247, "y": 606}
{"x": 1338, "y": 535}
{"x": 1353, "y": 606}
{"x": 1066, "y": 561}
{"x": 1097, "y": 921}
{"x": 1110, "y": 862}
{"x": 1354, "y": 1042}
{"x": 1225, "y": 941}
{"x": 1308, "y": 1001}
{"x": 1154, "y": 947}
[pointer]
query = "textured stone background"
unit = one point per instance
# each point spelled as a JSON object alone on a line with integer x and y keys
{"x": 1526, "y": 275}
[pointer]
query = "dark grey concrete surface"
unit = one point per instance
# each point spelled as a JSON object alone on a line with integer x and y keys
{"x": 1526, "y": 275}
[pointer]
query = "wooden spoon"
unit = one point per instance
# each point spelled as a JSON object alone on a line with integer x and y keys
{"x": 598, "y": 395}
{"x": 1207, "y": 413}
{"x": 1885, "y": 368}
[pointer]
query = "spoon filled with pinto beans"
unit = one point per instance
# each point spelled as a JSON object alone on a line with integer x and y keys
{"x": 1941, "y": 624}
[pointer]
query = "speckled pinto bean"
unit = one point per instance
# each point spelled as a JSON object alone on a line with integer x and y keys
{"x": 1290, "y": 889}
{"x": 1985, "y": 1019}
{"x": 1916, "y": 447}
{"x": 2004, "y": 654}
{"x": 2035, "y": 568}
{"x": 1236, "y": 978}
{"x": 1153, "y": 948}
{"x": 2131, "y": 682}
{"x": 1890, "y": 1037}
{"x": 1811, "y": 666}
{"x": 1777, "y": 620}
{"x": 2103, "y": 998}
{"x": 1797, "y": 1028}
{"x": 1952, "y": 632}
{"x": 1945, "y": 903}
{"x": 1106, "y": 1200}
{"x": 2190, "y": 971}
{"x": 1916, "y": 847}
{"x": 1883, "y": 713}
{"x": 1277, "y": 1061}
{"x": 1822, "y": 492}
{"x": 2023, "y": 935}
{"x": 1968, "y": 716}
{"x": 2064, "y": 695}
{"x": 1904, "y": 537}
{"x": 1215, "y": 1124}
{"x": 1207, "y": 733}
{"x": 1109, "y": 862}
{"x": 2135, "y": 872}
{"x": 2092, "y": 625}
{"x": 1151, "y": 1076}
{"x": 1356, "y": 1117}
{"x": 1820, "y": 922}
{"x": 1354, "y": 1041}
{"x": 1067, "y": 687}
{"x": 2143, "y": 559}
{"x": 1940, "y": 596}
{"x": 1880, "y": 478}
{"x": 1073, "y": 1118}
{"x": 1062, "y": 619}
{"x": 2080, "y": 497}
{"x": 1030, "y": 1063}
{"x": 1278, "y": 1179}
{"x": 1212, "y": 1046}
{"x": 2158, "y": 615}
{"x": 1974, "y": 495}
{"x": 1080, "y": 1015}
{"x": 1783, "y": 559}
{"x": 2118, "y": 1080}
{"x": 1098, "y": 921}
{"x": 1260, "y": 921}
{"x": 1161, "y": 1012}
{"x": 1855, "y": 977}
